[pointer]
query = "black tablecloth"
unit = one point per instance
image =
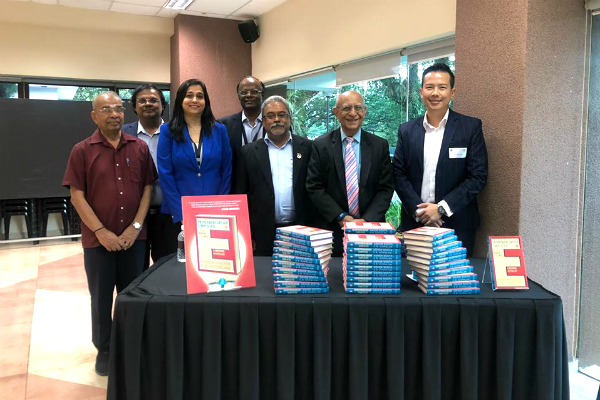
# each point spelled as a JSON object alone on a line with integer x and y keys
{"x": 250, "y": 344}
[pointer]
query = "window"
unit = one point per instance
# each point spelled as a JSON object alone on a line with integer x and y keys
{"x": 390, "y": 101}
{"x": 9, "y": 90}
{"x": 126, "y": 93}
{"x": 63, "y": 92}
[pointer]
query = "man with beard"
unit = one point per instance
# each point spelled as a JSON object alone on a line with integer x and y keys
{"x": 148, "y": 104}
{"x": 246, "y": 126}
{"x": 272, "y": 172}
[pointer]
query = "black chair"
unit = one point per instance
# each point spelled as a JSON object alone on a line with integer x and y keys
{"x": 52, "y": 206}
{"x": 10, "y": 208}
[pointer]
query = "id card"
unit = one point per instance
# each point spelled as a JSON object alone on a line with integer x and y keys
{"x": 457, "y": 152}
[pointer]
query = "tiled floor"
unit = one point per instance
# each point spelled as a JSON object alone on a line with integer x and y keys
{"x": 45, "y": 328}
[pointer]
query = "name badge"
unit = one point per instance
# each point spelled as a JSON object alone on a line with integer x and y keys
{"x": 457, "y": 152}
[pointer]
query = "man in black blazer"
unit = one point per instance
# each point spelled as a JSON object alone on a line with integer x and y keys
{"x": 272, "y": 172}
{"x": 326, "y": 180}
{"x": 441, "y": 162}
{"x": 246, "y": 126}
{"x": 148, "y": 104}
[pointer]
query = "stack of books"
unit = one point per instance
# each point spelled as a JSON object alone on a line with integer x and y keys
{"x": 372, "y": 258}
{"x": 301, "y": 256}
{"x": 439, "y": 262}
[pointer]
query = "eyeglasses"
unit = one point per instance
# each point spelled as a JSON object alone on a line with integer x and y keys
{"x": 281, "y": 115}
{"x": 152, "y": 100}
{"x": 110, "y": 110}
{"x": 247, "y": 92}
{"x": 358, "y": 109}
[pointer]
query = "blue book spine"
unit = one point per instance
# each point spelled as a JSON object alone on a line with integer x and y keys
{"x": 380, "y": 251}
{"x": 293, "y": 240}
{"x": 372, "y": 256}
{"x": 391, "y": 268}
{"x": 445, "y": 278}
{"x": 370, "y": 231}
{"x": 370, "y": 273}
{"x": 447, "y": 246}
{"x": 301, "y": 290}
{"x": 456, "y": 257}
{"x": 304, "y": 260}
{"x": 298, "y": 271}
{"x": 372, "y": 291}
{"x": 293, "y": 246}
{"x": 395, "y": 245}
{"x": 440, "y": 292}
{"x": 450, "y": 285}
{"x": 294, "y": 264}
{"x": 389, "y": 285}
{"x": 299, "y": 235}
{"x": 391, "y": 262}
{"x": 299, "y": 278}
{"x": 451, "y": 264}
{"x": 459, "y": 270}
{"x": 443, "y": 236}
{"x": 370, "y": 279}
{"x": 297, "y": 253}
{"x": 296, "y": 284}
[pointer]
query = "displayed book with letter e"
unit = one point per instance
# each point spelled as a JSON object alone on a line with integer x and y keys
{"x": 507, "y": 263}
{"x": 218, "y": 245}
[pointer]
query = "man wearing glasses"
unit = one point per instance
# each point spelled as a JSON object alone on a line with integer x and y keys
{"x": 350, "y": 171}
{"x": 148, "y": 104}
{"x": 272, "y": 172}
{"x": 110, "y": 178}
{"x": 246, "y": 126}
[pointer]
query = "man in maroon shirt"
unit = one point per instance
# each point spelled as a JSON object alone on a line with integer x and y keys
{"x": 110, "y": 177}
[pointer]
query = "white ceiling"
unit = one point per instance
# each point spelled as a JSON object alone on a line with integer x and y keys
{"x": 227, "y": 9}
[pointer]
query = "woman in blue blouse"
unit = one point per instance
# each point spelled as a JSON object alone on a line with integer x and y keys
{"x": 194, "y": 154}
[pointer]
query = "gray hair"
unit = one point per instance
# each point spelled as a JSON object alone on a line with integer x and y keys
{"x": 278, "y": 99}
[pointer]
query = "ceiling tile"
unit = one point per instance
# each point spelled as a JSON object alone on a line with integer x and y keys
{"x": 167, "y": 13}
{"x": 257, "y": 8}
{"x": 134, "y": 9}
{"x": 88, "y": 4}
{"x": 223, "y": 7}
{"x": 46, "y": 1}
{"x": 152, "y": 3}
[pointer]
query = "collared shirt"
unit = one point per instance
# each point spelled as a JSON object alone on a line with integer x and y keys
{"x": 252, "y": 132}
{"x": 355, "y": 145}
{"x": 152, "y": 142}
{"x": 112, "y": 180}
{"x": 282, "y": 171}
{"x": 431, "y": 154}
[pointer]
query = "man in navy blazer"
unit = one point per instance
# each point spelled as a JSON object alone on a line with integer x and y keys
{"x": 246, "y": 126}
{"x": 272, "y": 172}
{"x": 148, "y": 103}
{"x": 326, "y": 180}
{"x": 441, "y": 162}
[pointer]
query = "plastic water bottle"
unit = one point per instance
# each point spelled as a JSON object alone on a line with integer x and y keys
{"x": 180, "y": 246}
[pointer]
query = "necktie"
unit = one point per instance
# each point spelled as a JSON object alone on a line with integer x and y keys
{"x": 351, "y": 178}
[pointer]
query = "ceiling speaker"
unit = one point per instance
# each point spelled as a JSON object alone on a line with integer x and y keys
{"x": 249, "y": 31}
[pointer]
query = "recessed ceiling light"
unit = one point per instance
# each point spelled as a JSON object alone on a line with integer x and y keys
{"x": 178, "y": 4}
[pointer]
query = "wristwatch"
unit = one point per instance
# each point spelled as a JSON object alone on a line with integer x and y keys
{"x": 137, "y": 225}
{"x": 442, "y": 211}
{"x": 341, "y": 216}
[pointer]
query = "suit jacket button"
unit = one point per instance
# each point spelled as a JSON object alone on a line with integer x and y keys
{"x": 199, "y": 174}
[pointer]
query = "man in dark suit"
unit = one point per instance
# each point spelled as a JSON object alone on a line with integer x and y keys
{"x": 441, "y": 163}
{"x": 350, "y": 171}
{"x": 272, "y": 172}
{"x": 148, "y": 104}
{"x": 246, "y": 126}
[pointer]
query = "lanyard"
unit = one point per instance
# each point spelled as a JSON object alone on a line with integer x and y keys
{"x": 198, "y": 150}
{"x": 245, "y": 137}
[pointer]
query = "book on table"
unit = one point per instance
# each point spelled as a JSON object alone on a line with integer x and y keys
{"x": 427, "y": 234}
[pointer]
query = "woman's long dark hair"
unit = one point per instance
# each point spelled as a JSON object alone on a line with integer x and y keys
{"x": 177, "y": 123}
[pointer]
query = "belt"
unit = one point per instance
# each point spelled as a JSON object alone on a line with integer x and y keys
{"x": 154, "y": 210}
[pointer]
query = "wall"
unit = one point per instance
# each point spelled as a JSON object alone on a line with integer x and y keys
{"x": 61, "y": 42}
{"x": 520, "y": 68}
{"x": 303, "y": 35}
{"x": 213, "y": 51}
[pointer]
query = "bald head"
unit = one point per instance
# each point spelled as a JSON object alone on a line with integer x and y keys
{"x": 350, "y": 110}
{"x": 250, "y": 92}
{"x": 104, "y": 96}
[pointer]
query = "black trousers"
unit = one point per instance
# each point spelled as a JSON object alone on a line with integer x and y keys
{"x": 162, "y": 236}
{"x": 105, "y": 270}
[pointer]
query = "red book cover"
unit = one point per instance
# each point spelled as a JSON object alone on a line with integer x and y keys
{"x": 218, "y": 246}
{"x": 508, "y": 263}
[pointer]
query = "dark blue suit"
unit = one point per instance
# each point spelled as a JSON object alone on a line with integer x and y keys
{"x": 458, "y": 181}
{"x": 180, "y": 174}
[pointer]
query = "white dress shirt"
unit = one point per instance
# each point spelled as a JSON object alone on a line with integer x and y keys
{"x": 152, "y": 142}
{"x": 431, "y": 154}
{"x": 252, "y": 132}
{"x": 282, "y": 171}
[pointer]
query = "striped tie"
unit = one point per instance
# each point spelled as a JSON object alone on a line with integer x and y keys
{"x": 351, "y": 178}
